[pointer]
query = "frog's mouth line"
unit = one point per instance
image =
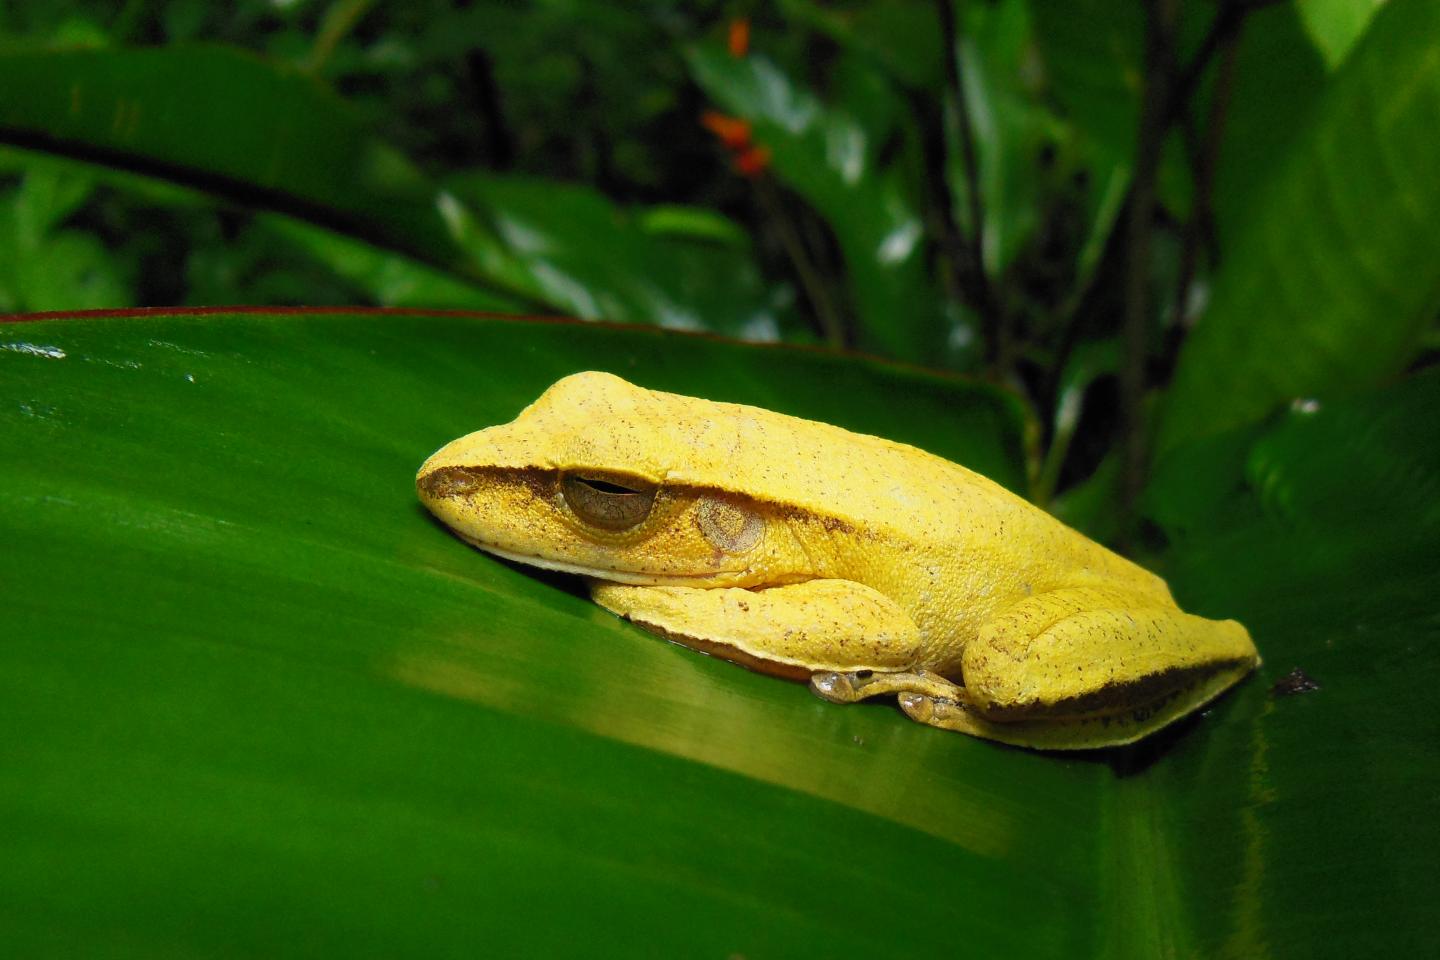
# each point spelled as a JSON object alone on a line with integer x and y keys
{"x": 605, "y": 573}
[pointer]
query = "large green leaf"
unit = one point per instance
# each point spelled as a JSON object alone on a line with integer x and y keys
{"x": 1321, "y": 532}
{"x": 257, "y": 702}
{"x": 1334, "y": 270}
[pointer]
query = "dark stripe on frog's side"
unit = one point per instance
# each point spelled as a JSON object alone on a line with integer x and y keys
{"x": 724, "y": 651}
{"x": 543, "y": 483}
{"x": 1111, "y": 698}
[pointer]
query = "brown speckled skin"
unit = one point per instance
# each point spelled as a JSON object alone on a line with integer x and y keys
{"x": 801, "y": 547}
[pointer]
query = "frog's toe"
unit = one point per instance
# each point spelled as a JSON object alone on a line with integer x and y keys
{"x": 832, "y": 686}
{"x": 944, "y": 713}
{"x": 937, "y": 711}
{"x": 917, "y": 706}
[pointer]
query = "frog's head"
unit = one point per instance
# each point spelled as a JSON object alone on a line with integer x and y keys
{"x": 583, "y": 480}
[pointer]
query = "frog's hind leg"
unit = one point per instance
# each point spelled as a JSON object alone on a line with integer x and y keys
{"x": 1085, "y": 667}
{"x": 1071, "y": 733}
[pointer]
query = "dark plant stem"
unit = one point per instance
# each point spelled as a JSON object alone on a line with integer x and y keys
{"x": 828, "y": 323}
{"x": 971, "y": 252}
{"x": 1161, "y": 20}
{"x": 498, "y": 144}
{"x": 339, "y": 20}
{"x": 1199, "y": 231}
{"x": 1222, "y": 33}
{"x": 1168, "y": 93}
{"x": 939, "y": 208}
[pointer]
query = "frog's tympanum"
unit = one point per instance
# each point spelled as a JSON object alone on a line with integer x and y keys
{"x": 863, "y": 566}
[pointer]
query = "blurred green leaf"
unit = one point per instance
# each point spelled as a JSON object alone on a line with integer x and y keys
{"x": 43, "y": 200}
{"x": 1092, "y": 506}
{"x": 824, "y": 155}
{"x": 388, "y": 279}
{"x": 1094, "y": 56}
{"x": 44, "y": 266}
{"x": 66, "y": 270}
{"x": 901, "y": 36}
{"x": 1090, "y": 59}
{"x": 81, "y": 174}
{"x": 267, "y": 258}
{"x": 1336, "y": 25}
{"x": 1011, "y": 127}
{"x": 1087, "y": 362}
{"x": 571, "y": 247}
{"x": 1278, "y": 79}
{"x": 1334, "y": 269}
{"x": 230, "y": 123}
{"x": 872, "y": 100}
{"x": 270, "y": 138}
{"x": 694, "y": 223}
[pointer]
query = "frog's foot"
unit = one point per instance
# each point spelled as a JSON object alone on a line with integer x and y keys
{"x": 948, "y": 714}
{"x": 926, "y": 697}
{"x": 1082, "y": 667}
{"x": 860, "y": 684}
{"x": 945, "y": 713}
{"x": 1050, "y": 733}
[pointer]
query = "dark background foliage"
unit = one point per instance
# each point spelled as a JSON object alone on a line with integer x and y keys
{"x": 1052, "y": 200}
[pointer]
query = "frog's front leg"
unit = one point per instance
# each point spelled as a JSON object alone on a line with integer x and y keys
{"x": 792, "y": 630}
{"x": 849, "y": 687}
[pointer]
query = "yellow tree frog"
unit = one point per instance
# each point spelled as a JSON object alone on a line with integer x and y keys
{"x": 863, "y": 566}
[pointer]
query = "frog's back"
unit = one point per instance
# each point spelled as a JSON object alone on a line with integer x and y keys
{"x": 599, "y": 421}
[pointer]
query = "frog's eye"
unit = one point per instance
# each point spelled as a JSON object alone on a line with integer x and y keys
{"x": 607, "y": 504}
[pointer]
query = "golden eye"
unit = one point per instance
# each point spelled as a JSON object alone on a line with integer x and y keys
{"x": 607, "y": 504}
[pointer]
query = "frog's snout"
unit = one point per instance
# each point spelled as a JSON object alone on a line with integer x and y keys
{"x": 444, "y": 483}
